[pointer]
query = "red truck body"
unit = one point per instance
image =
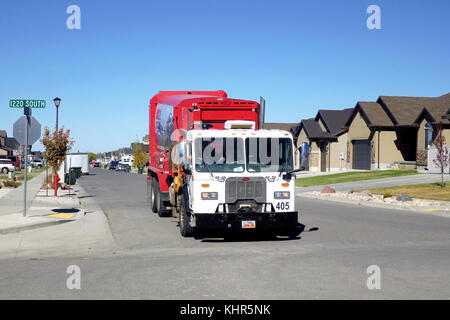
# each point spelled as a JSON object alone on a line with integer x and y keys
{"x": 174, "y": 112}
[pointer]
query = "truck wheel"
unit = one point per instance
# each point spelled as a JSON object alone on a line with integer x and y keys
{"x": 159, "y": 205}
{"x": 184, "y": 218}
{"x": 293, "y": 233}
{"x": 155, "y": 196}
{"x": 5, "y": 170}
{"x": 151, "y": 196}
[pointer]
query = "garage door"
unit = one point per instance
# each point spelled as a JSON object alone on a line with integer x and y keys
{"x": 361, "y": 154}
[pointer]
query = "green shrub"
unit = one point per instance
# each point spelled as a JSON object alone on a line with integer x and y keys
{"x": 9, "y": 184}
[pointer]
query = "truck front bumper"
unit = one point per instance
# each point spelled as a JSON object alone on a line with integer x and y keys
{"x": 282, "y": 223}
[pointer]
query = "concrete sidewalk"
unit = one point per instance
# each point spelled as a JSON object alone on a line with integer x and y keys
{"x": 12, "y": 201}
{"x": 71, "y": 224}
{"x": 42, "y": 211}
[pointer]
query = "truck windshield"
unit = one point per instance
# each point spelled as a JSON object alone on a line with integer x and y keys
{"x": 269, "y": 154}
{"x": 219, "y": 155}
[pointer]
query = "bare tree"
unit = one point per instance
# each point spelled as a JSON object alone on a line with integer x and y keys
{"x": 441, "y": 160}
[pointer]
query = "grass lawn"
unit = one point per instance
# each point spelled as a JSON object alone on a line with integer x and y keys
{"x": 351, "y": 176}
{"x": 20, "y": 175}
{"x": 432, "y": 191}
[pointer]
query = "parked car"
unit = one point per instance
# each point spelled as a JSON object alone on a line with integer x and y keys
{"x": 122, "y": 167}
{"x": 14, "y": 159}
{"x": 129, "y": 160}
{"x": 37, "y": 164}
{"x": 113, "y": 165}
{"x": 6, "y": 165}
{"x": 96, "y": 164}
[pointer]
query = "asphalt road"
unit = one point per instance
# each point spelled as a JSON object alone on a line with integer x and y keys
{"x": 328, "y": 261}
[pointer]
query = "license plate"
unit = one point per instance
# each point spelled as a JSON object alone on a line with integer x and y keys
{"x": 248, "y": 224}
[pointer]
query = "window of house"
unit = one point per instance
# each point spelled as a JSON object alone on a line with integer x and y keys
{"x": 428, "y": 135}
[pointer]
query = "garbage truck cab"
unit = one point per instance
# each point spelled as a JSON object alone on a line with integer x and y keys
{"x": 236, "y": 179}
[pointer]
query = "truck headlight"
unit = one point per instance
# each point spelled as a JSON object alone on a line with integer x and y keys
{"x": 210, "y": 195}
{"x": 281, "y": 194}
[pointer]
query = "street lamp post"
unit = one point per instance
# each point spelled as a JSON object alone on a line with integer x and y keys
{"x": 57, "y": 101}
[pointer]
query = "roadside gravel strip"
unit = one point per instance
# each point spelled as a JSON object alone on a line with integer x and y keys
{"x": 434, "y": 208}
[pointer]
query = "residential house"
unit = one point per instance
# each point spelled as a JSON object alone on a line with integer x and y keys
{"x": 8, "y": 146}
{"x": 395, "y": 132}
{"x": 145, "y": 140}
{"x": 321, "y": 142}
{"x": 4, "y": 150}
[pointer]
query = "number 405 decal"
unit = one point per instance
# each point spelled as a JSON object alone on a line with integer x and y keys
{"x": 282, "y": 206}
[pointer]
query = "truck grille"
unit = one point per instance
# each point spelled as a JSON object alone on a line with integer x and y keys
{"x": 238, "y": 188}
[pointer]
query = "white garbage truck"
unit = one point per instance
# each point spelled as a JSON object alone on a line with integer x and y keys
{"x": 235, "y": 179}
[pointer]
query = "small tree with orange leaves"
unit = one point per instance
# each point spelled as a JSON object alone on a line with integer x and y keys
{"x": 56, "y": 144}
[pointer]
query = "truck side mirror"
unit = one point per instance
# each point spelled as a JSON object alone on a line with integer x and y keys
{"x": 288, "y": 175}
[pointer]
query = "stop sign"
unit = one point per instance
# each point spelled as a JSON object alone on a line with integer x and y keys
{"x": 34, "y": 130}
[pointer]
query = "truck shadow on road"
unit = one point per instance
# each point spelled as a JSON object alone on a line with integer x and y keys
{"x": 253, "y": 237}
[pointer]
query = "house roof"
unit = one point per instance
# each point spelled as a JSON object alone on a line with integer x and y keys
{"x": 313, "y": 130}
{"x": 373, "y": 113}
{"x": 439, "y": 106}
{"x": 12, "y": 143}
{"x": 127, "y": 150}
{"x": 407, "y": 110}
{"x": 334, "y": 120}
{"x": 403, "y": 110}
{"x": 279, "y": 126}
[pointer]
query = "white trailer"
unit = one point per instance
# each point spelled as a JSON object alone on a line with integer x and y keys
{"x": 77, "y": 160}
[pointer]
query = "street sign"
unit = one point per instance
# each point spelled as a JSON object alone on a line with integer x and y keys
{"x": 21, "y": 103}
{"x": 19, "y": 130}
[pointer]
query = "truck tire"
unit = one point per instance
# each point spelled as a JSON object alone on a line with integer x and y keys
{"x": 151, "y": 195}
{"x": 292, "y": 233}
{"x": 184, "y": 220}
{"x": 159, "y": 205}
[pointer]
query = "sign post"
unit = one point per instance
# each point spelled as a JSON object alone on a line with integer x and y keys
{"x": 26, "y": 130}
{"x": 27, "y": 112}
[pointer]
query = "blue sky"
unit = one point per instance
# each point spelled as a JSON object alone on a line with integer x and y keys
{"x": 299, "y": 55}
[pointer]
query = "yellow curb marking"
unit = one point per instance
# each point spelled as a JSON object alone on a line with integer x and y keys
{"x": 432, "y": 209}
{"x": 62, "y": 215}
